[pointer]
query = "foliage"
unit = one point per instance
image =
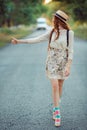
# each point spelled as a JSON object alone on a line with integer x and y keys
{"x": 81, "y": 31}
{"x": 78, "y": 7}
{"x": 7, "y": 33}
{"x": 14, "y": 12}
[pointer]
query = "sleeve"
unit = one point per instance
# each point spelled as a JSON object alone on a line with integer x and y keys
{"x": 38, "y": 39}
{"x": 71, "y": 41}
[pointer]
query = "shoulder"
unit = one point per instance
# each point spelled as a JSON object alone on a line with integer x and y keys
{"x": 50, "y": 29}
{"x": 71, "y": 32}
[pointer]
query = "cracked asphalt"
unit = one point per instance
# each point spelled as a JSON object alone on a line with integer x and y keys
{"x": 25, "y": 91}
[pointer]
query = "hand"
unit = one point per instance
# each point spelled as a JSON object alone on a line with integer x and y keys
{"x": 14, "y": 40}
{"x": 67, "y": 71}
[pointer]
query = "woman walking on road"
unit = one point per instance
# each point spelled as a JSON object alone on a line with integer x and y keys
{"x": 59, "y": 58}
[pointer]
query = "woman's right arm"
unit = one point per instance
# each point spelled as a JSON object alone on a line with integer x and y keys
{"x": 38, "y": 39}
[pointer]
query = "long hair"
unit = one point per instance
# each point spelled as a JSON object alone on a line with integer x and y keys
{"x": 58, "y": 22}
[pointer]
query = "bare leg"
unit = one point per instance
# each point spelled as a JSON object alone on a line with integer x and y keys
{"x": 60, "y": 87}
{"x": 55, "y": 92}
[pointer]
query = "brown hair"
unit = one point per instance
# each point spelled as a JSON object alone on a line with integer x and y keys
{"x": 58, "y": 22}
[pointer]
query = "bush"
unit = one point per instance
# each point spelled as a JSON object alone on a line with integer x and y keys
{"x": 7, "y": 31}
{"x": 81, "y": 31}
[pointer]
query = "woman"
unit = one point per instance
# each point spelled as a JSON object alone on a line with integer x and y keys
{"x": 58, "y": 64}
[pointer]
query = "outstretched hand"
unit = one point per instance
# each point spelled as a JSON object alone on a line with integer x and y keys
{"x": 14, "y": 40}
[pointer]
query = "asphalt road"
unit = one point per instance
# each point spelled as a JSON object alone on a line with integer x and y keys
{"x": 25, "y": 91}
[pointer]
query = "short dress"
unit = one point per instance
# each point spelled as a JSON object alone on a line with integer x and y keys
{"x": 57, "y": 59}
{"x": 57, "y": 55}
{"x": 56, "y": 63}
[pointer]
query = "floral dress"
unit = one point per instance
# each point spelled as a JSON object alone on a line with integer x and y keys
{"x": 56, "y": 63}
{"x": 57, "y": 56}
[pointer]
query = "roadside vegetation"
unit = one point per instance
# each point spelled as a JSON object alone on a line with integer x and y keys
{"x": 6, "y": 34}
{"x": 14, "y": 13}
{"x": 81, "y": 31}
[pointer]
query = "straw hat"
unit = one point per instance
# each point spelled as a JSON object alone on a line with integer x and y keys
{"x": 61, "y": 15}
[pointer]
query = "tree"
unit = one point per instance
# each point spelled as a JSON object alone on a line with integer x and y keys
{"x": 6, "y": 10}
{"x": 20, "y": 11}
{"x": 2, "y": 12}
{"x": 79, "y": 8}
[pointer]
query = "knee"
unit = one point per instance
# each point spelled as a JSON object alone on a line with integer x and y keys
{"x": 55, "y": 87}
{"x": 60, "y": 83}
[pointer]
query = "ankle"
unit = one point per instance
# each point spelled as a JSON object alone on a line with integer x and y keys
{"x": 57, "y": 108}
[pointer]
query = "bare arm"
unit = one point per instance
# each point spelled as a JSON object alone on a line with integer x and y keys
{"x": 43, "y": 37}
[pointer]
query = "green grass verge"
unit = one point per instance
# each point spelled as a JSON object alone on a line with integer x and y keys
{"x": 80, "y": 30}
{"x": 6, "y": 34}
{"x": 81, "y": 33}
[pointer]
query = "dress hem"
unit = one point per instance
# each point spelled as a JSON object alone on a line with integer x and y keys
{"x": 55, "y": 77}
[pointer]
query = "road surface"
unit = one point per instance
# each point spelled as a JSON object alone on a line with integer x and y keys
{"x": 25, "y": 91}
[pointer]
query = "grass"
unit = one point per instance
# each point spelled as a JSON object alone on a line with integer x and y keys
{"x": 6, "y": 34}
{"x": 80, "y": 30}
